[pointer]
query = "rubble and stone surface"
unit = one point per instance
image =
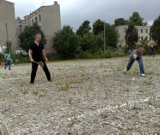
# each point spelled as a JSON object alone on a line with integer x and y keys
{"x": 85, "y": 97}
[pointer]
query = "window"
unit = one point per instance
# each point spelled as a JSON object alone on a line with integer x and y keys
{"x": 150, "y": 38}
{"x": 141, "y": 30}
{"x": 36, "y": 20}
{"x": 146, "y": 30}
{"x": 32, "y": 21}
{"x": 39, "y": 17}
{"x": 141, "y": 37}
{"x": 125, "y": 30}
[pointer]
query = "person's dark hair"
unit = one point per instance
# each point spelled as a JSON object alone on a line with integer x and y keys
{"x": 7, "y": 51}
{"x": 139, "y": 46}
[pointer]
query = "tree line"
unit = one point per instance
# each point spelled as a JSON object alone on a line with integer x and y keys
{"x": 90, "y": 40}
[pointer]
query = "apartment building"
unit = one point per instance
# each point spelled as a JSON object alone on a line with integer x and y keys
{"x": 143, "y": 33}
{"x": 7, "y": 24}
{"x": 48, "y": 18}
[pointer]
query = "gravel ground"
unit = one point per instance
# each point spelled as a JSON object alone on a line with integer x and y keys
{"x": 86, "y": 97}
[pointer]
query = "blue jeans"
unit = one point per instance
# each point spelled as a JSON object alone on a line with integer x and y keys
{"x": 140, "y": 61}
{"x": 8, "y": 64}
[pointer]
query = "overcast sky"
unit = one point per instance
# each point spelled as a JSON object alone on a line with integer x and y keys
{"x": 74, "y": 12}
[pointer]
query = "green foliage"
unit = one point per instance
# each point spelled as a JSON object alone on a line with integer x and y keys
{"x": 91, "y": 42}
{"x": 111, "y": 35}
{"x": 120, "y": 21}
{"x": 155, "y": 30}
{"x": 99, "y": 39}
{"x": 131, "y": 36}
{"x": 27, "y": 36}
{"x": 66, "y": 43}
{"x": 2, "y": 59}
{"x": 88, "y": 42}
{"x": 109, "y": 53}
{"x": 84, "y": 28}
{"x": 98, "y": 27}
{"x": 136, "y": 20}
{"x": 20, "y": 58}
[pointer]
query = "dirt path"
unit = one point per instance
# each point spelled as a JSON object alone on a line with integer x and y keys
{"x": 86, "y": 97}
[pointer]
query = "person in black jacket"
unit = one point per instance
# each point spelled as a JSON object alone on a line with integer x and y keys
{"x": 152, "y": 50}
{"x": 37, "y": 54}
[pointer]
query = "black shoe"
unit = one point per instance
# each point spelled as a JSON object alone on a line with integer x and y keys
{"x": 49, "y": 80}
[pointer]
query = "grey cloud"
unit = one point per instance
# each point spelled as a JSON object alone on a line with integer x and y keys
{"x": 109, "y": 10}
{"x": 23, "y": 8}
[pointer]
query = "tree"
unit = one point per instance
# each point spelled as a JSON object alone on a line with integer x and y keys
{"x": 111, "y": 35}
{"x": 131, "y": 36}
{"x": 88, "y": 42}
{"x": 99, "y": 41}
{"x": 155, "y": 30}
{"x": 66, "y": 43}
{"x": 98, "y": 27}
{"x": 136, "y": 20}
{"x": 27, "y": 36}
{"x": 84, "y": 28}
{"x": 120, "y": 21}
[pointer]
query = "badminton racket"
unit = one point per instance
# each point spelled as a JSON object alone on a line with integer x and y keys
{"x": 40, "y": 63}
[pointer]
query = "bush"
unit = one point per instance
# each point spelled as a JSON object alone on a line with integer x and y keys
{"x": 109, "y": 53}
{"x": 2, "y": 59}
{"x": 19, "y": 58}
{"x": 85, "y": 55}
{"x": 53, "y": 57}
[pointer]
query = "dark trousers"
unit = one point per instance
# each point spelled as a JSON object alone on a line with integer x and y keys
{"x": 34, "y": 71}
{"x": 152, "y": 53}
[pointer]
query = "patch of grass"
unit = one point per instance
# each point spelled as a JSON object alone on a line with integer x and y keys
{"x": 35, "y": 92}
{"x": 70, "y": 101}
{"x": 64, "y": 87}
{"x": 25, "y": 90}
{"x": 148, "y": 83}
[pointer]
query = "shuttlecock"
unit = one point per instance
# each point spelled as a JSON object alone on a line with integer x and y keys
{"x": 133, "y": 79}
{"x": 135, "y": 56}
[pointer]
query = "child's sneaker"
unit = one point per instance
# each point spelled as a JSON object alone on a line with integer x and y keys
{"x": 142, "y": 75}
{"x": 125, "y": 71}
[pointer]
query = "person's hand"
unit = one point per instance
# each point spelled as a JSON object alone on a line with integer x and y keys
{"x": 46, "y": 60}
{"x": 31, "y": 60}
{"x": 135, "y": 56}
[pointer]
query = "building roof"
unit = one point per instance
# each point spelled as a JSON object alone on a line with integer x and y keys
{"x": 7, "y": 1}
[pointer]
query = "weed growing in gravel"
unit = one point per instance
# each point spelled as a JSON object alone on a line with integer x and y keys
{"x": 70, "y": 101}
{"x": 64, "y": 87}
{"x": 120, "y": 67}
{"x": 35, "y": 92}
{"x": 148, "y": 83}
{"x": 88, "y": 90}
{"x": 106, "y": 92}
{"x": 112, "y": 67}
{"x": 25, "y": 90}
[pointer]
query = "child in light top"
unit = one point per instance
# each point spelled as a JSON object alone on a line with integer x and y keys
{"x": 8, "y": 60}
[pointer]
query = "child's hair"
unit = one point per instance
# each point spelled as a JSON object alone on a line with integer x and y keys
{"x": 7, "y": 51}
{"x": 139, "y": 45}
